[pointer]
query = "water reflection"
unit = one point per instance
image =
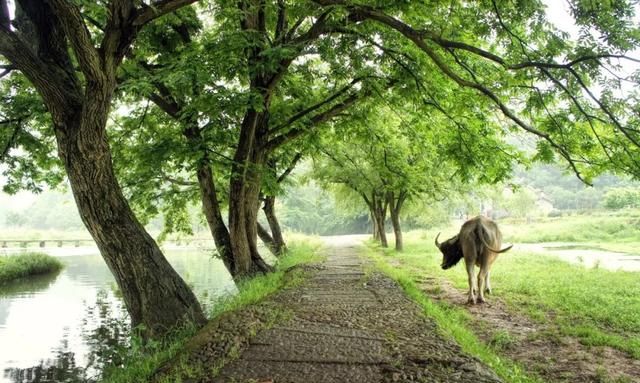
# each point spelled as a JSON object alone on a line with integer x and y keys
{"x": 70, "y": 326}
{"x": 62, "y": 368}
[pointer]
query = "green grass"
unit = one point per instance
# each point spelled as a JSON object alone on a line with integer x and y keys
{"x": 454, "y": 322}
{"x": 145, "y": 360}
{"x": 256, "y": 289}
{"x": 597, "y": 306}
{"x": 24, "y": 265}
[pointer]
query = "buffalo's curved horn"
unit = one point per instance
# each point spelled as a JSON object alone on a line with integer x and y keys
{"x": 436, "y": 241}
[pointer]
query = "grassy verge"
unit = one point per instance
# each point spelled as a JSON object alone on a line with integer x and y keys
{"x": 24, "y": 265}
{"x": 599, "y": 307}
{"x": 452, "y": 321}
{"x": 144, "y": 361}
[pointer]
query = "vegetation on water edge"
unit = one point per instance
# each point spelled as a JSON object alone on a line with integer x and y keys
{"x": 598, "y": 307}
{"x": 611, "y": 231}
{"x": 24, "y": 265}
{"x": 143, "y": 360}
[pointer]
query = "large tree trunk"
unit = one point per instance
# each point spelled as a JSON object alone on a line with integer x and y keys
{"x": 382, "y": 232}
{"x": 395, "y": 205}
{"x": 244, "y": 201}
{"x": 279, "y": 244}
{"x": 237, "y": 192}
{"x": 397, "y": 231}
{"x": 155, "y": 295}
{"x": 374, "y": 226}
{"x": 380, "y": 215}
{"x": 211, "y": 210}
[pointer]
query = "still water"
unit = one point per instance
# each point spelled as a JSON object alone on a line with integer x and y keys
{"x": 64, "y": 327}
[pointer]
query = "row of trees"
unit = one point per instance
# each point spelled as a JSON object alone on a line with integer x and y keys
{"x": 218, "y": 102}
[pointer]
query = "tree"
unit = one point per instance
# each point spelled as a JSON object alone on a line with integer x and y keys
{"x": 228, "y": 104}
{"x": 389, "y": 155}
{"x": 540, "y": 82}
{"x": 283, "y": 70}
{"x": 620, "y": 198}
{"x": 52, "y": 46}
{"x": 272, "y": 185}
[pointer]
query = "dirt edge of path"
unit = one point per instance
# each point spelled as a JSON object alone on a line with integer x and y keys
{"x": 541, "y": 348}
{"x": 224, "y": 338}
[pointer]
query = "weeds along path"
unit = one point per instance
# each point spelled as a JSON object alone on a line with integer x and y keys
{"x": 540, "y": 347}
{"x": 348, "y": 325}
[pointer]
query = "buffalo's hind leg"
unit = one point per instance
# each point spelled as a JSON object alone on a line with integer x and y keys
{"x": 487, "y": 284}
{"x": 482, "y": 278}
{"x": 473, "y": 288}
{"x": 469, "y": 253}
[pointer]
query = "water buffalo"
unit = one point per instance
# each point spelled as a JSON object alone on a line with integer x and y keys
{"x": 479, "y": 244}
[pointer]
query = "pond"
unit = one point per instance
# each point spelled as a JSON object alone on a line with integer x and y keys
{"x": 63, "y": 327}
{"x": 586, "y": 256}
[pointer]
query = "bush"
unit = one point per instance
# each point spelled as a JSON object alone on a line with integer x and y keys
{"x": 620, "y": 198}
{"x": 24, "y": 265}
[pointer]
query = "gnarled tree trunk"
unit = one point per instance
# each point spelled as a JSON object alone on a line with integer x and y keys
{"x": 244, "y": 192}
{"x": 378, "y": 208}
{"x": 155, "y": 295}
{"x": 396, "y": 200}
{"x": 211, "y": 210}
{"x": 374, "y": 226}
{"x": 279, "y": 246}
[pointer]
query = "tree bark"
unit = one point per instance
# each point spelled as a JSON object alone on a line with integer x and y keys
{"x": 252, "y": 206}
{"x": 378, "y": 206}
{"x": 396, "y": 200}
{"x": 244, "y": 200}
{"x": 382, "y": 232}
{"x": 155, "y": 295}
{"x": 374, "y": 226}
{"x": 266, "y": 238}
{"x": 211, "y": 210}
{"x": 279, "y": 245}
{"x": 397, "y": 230}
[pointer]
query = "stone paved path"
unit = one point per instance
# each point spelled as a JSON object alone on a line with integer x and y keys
{"x": 351, "y": 326}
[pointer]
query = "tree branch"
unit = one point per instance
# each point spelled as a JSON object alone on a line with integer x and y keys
{"x": 292, "y": 134}
{"x": 78, "y": 35}
{"x": 315, "y": 107}
{"x": 281, "y": 24}
{"x": 290, "y": 168}
{"x": 157, "y": 9}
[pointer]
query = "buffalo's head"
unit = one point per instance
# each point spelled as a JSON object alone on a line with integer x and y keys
{"x": 451, "y": 251}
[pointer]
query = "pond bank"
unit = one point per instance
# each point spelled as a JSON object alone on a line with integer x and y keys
{"x": 585, "y": 255}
